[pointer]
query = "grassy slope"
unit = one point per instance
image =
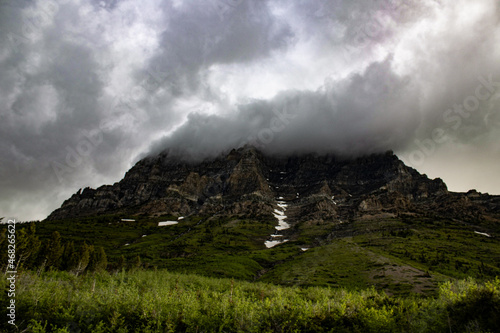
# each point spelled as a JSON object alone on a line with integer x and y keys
{"x": 399, "y": 257}
{"x": 396, "y": 255}
{"x": 160, "y": 301}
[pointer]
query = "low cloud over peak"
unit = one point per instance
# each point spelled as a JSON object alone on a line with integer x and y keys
{"x": 368, "y": 112}
{"x": 88, "y": 87}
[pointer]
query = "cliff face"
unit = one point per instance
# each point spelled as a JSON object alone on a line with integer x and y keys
{"x": 249, "y": 183}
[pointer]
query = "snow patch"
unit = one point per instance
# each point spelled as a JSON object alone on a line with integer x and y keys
{"x": 273, "y": 243}
{"x": 482, "y": 233}
{"x": 127, "y": 220}
{"x": 282, "y": 204}
{"x": 165, "y": 223}
{"x": 282, "y": 225}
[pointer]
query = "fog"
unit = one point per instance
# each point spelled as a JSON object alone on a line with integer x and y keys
{"x": 87, "y": 88}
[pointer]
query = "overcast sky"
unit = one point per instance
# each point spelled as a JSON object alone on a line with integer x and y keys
{"x": 88, "y": 87}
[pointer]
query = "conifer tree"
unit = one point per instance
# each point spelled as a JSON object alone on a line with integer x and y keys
{"x": 84, "y": 259}
{"x": 54, "y": 251}
{"x": 3, "y": 245}
{"x": 137, "y": 263}
{"x": 27, "y": 246}
{"x": 92, "y": 259}
{"x": 70, "y": 257}
{"x": 33, "y": 248}
{"x": 121, "y": 263}
{"x": 101, "y": 260}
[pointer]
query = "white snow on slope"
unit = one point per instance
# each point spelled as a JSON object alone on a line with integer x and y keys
{"x": 165, "y": 223}
{"x": 282, "y": 225}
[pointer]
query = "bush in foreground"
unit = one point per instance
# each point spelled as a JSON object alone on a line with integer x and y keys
{"x": 149, "y": 301}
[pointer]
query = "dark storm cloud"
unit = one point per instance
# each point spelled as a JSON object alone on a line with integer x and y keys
{"x": 369, "y": 112}
{"x": 87, "y": 86}
{"x": 381, "y": 107}
{"x": 77, "y": 109}
{"x": 200, "y": 34}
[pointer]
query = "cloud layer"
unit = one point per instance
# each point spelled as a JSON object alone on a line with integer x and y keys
{"x": 88, "y": 87}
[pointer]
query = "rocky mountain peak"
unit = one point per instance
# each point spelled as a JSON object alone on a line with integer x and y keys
{"x": 246, "y": 181}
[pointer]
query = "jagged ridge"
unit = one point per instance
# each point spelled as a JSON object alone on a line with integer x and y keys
{"x": 247, "y": 182}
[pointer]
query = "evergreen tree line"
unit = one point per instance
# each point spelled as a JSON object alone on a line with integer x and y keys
{"x": 51, "y": 254}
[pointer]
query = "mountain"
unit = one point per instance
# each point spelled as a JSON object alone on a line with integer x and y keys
{"x": 247, "y": 182}
{"x": 307, "y": 219}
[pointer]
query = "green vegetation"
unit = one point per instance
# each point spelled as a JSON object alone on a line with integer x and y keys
{"x": 204, "y": 274}
{"x": 161, "y": 301}
{"x": 440, "y": 246}
{"x": 50, "y": 254}
{"x": 400, "y": 256}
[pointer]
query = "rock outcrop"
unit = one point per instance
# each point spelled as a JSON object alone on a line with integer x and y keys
{"x": 247, "y": 182}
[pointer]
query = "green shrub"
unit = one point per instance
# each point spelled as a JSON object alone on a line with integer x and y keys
{"x": 148, "y": 301}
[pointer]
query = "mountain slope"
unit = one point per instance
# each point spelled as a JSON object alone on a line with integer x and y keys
{"x": 306, "y": 220}
{"x": 248, "y": 182}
